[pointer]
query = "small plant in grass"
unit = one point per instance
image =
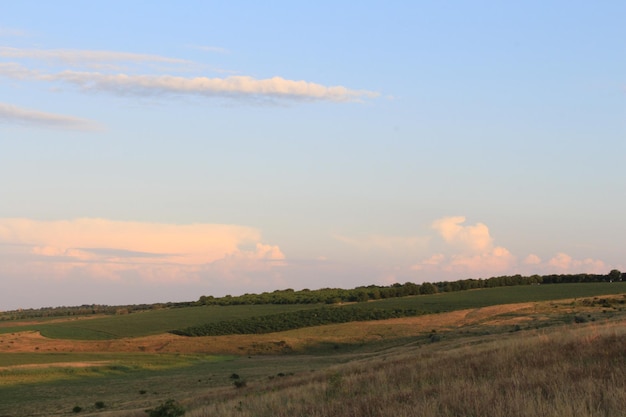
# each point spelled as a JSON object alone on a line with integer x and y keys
{"x": 77, "y": 409}
{"x": 169, "y": 408}
{"x": 240, "y": 383}
{"x": 580, "y": 319}
{"x": 99, "y": 404}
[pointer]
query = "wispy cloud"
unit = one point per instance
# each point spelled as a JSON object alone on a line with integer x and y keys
{"x": 124, "y": 83}
{"x": 85, "y": 57}
{"x": 212, "y": 49}
{"x": 16, "y": 115}
{"x": 390, "y": 244}
{"x": 230, "y": 86}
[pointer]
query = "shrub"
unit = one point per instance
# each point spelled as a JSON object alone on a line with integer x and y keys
{"x": 240, "y": 383}
{"x": 580, "y": 319}
{"x": 99, "y": 404}
{"x": 169, "y": 408}
{"x": 77, "y": 409}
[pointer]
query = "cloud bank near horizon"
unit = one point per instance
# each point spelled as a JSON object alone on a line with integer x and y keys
{"x": 184, "y": 261}
{"x": 112, "y": 250}
{"x": 470, "y": 251}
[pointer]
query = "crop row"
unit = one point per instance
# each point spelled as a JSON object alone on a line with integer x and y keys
{"x": 295, "y": 320}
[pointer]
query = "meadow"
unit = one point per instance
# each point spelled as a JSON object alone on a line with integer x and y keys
{"x": 152, "y": 322}
{"x": 533, "y": 350}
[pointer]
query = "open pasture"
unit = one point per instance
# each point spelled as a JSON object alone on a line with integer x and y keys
{"x": 143, "y": 323}
{"x": 155, "y": 322}
{"x": 44, "y": 376}
{"x": 394, "y": 373}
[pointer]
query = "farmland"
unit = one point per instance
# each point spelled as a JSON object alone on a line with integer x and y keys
{"x": 153, "y": 322}
{"x": 129, "y": 362}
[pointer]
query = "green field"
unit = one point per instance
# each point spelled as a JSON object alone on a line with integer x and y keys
{"x": 342, "y": 375}
{"x": 160, "y": 321}
{"x": 148, "y": 322}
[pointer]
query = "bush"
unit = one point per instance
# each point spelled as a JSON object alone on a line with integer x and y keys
{"x": 169, "y": 408}
{"x": 580, "y": 319}
{"x": 77, "y": 409}
{"x": 99, "y": 404}
{"x": 240, "y": 383}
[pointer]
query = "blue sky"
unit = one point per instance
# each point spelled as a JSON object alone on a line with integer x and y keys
{"x": 152, "y": 151}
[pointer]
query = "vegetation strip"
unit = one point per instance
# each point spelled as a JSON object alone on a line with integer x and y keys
{"x": 295, "y": 320}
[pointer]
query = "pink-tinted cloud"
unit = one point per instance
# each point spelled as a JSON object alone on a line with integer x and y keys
{"x": 563, "y": 263}
{"x": 239, "y": 86}
{"x": 385, "y": 243}
{"x": 29, "y": 117}
{"x": 469, "y": 251}
{"x": 469, "y": 238}
{"x": 106, "y": 249}
{"x": 84, "y": 57}
{"x": 532, "y": 259}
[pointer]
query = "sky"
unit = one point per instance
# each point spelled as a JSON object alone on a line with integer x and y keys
{"x": 155, "y": 151}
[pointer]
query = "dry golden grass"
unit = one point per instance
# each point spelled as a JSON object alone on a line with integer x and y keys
{"x": 576, "y": 371}
{"x": 294, "y": 340}
{"x": 301, "y": 339}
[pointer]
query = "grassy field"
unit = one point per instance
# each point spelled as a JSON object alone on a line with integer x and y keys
{"x": 160, "y": 321}
{"x": 145, "y": 323}
{"x": 476, "y": 357}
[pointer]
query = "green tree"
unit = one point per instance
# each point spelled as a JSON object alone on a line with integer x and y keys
{"x": 428, "y": 288}
{"x": 615, "y": 275}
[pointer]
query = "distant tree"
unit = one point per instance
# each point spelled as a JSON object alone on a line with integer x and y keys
{"x": 615, "y": 275}
{"x": 428, "y": 288}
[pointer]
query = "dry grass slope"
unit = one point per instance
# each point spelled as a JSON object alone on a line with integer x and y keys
{"x": 556, "y": 358}
{"x": 579, "y": 371}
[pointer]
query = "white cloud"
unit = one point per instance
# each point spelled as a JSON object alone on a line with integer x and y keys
{"x": 469, "y": 250}
{"x": 467, "y": 238}
{"x": 205, "y": 48}
{"x": 17, "y": 115}
{"x": 532, "y": 259}
{"x": 236, "y": 86}
{"x": 85, "y": 57}
{"x": 495, "y": 261}
{"x": 563, "y": 263}
{"x": 106, "y": 249}
{"x": 233, "y": 86}
{"x": 18, "y": 71}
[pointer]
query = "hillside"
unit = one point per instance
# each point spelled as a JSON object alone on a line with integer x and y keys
{"x": 334, "y": 369}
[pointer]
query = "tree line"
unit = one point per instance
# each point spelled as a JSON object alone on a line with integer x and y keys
{"x": 321, "y": 296}
{"x": 376, "y": 292}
